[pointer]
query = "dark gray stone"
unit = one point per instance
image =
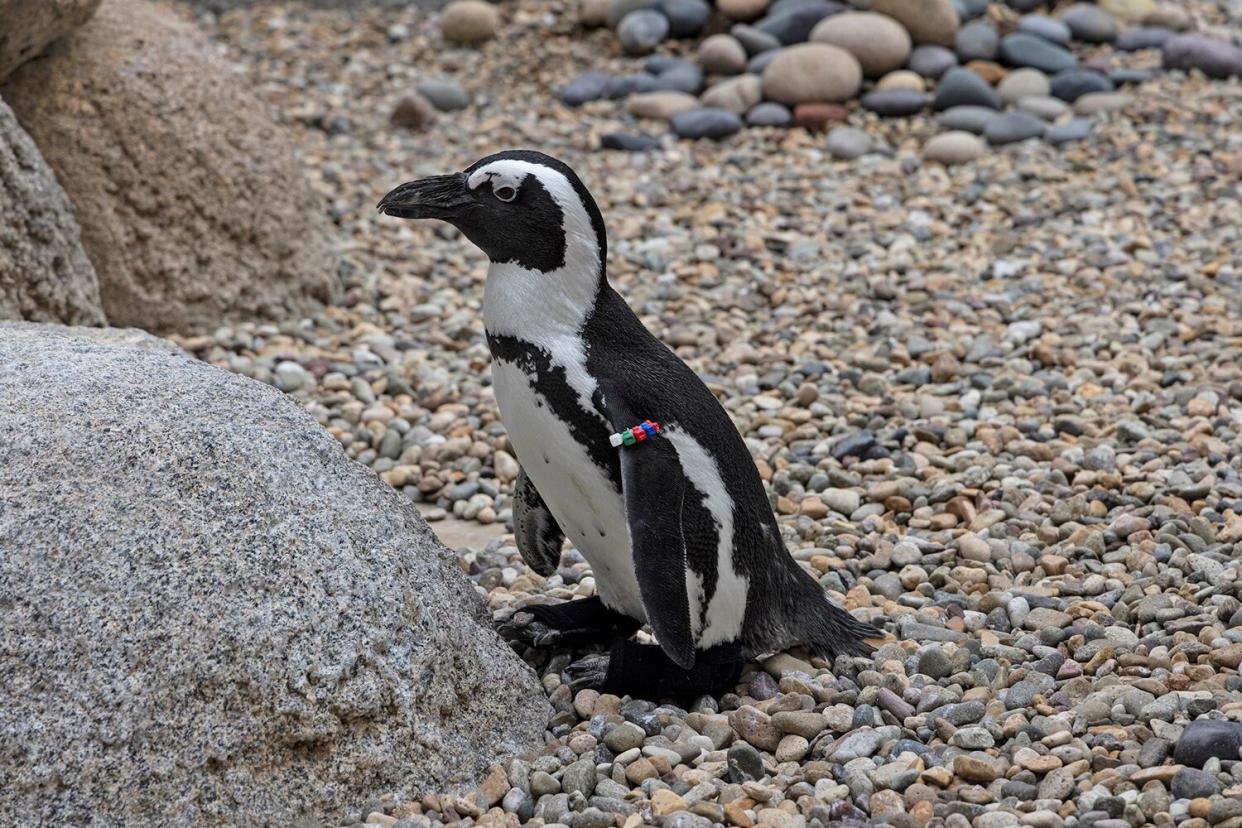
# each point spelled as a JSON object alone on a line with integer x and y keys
{"x": 1192, "y": 783}
{"x": 753, "y": 40}
{"x": 706, "y": 123}
{"x": 769, "y": 114}
{"x": 641, "y": 31}
{"x": 1077, "y": 129}
{"x": 794, "y": 25}
{"x": 759, "y": 62}
{"x": 931, "y": 61}
{"x": 622, "y": 86}
{"x": 1090, "y": 23}
{"x": 1071, "y": 85}
{"x": 894, "y": 102}
{"x": 445, "y": 95}
{"x": 1214, "y": 58}
{"x": 1121, "y": 77}
{"x": 628, "y": 143}
{"x": 686, "y": 18}
{"x": 962, "y": 87}
{"x": 978, "y": 40}
{"x": 1207, "y": 738}
{"x": 228, "y": 604}
{"x": 589, "y": 86}
{"x": 1050, "y": 29}
{"x": 683, "y": 77}
{"x": 1142, "y": 37}
{"x": 1013, "y": 127}
{"x": 744, "y": 763}
{"x": 1025, "y": 49}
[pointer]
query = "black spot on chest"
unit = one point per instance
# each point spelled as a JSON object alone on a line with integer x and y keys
{"x": 549, "y": 381}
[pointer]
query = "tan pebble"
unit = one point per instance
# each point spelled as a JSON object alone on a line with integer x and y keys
{"x": 665, "y": 802}
{"x": 639, "y": 771}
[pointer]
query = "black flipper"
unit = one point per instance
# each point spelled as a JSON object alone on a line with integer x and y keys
{"x": 539, "y": 536}
{"x": 653, "y": 484}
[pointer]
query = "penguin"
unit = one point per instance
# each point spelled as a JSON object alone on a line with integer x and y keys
{"x": 623, "y": 450}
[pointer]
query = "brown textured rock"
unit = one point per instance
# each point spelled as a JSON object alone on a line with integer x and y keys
{"x": 211, "y": 614}
{"x": 27, "y": 27}
{"x": 927, "y": 21}
{"x": 192, "y": 207}
{"x": 45, "y": 275}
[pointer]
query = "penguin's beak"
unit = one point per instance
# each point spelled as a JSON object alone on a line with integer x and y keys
{"x": 438, "y": 197}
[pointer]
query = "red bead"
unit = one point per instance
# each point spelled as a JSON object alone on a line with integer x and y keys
{"x": 638, "y": 433}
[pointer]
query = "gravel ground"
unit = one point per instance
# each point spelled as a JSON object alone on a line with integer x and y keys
{"x": 998, "y": 407}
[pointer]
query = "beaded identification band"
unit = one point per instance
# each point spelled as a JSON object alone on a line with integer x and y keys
{"x": 634, "y": 435}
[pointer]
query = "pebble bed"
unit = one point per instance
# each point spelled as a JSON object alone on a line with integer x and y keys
{"x": 998, "y": 407}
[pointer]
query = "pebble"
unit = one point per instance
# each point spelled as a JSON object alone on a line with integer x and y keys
{"x": 1025, "y": 49}
{"x": 962, "y": 87}
{"x": 642, "y": 30}
{"x": 931, "y": 61}
{"x": 847, "y": 143}
{"x": 444, "y": 95}
{"x": 706, "y": 123}
{"x": 1090, "y": 23}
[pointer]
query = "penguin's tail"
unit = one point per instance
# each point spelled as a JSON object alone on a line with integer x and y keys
{"x": 826, "y": 629}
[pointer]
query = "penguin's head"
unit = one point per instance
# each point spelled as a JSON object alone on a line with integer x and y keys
{"x": 519, "y": 207}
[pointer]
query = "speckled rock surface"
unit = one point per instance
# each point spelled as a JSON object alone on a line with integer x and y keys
{"x": 27, "y": 27}
{"x": 210, "y": 611}
{"x": 192, "y": 207}
{"x": 45, "y": 274}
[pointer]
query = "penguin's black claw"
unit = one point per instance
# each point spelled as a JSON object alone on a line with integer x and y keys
{"x": 588, "y": 672}
{"x": 567, "y": 624}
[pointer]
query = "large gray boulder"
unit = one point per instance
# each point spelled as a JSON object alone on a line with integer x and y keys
{"x": 28, "y": 26}
{"x": 209, "y": 615}
{"x": 193, "y": 207}
{"x": 45, "y": 275}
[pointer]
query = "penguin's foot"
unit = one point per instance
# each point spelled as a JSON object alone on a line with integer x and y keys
{"x": 568, "y": 624}
{"x": 645, "y": 671}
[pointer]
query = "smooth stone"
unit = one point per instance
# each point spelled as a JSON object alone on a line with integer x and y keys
{"x": 1129, "y": 9}
{"x": 622, "y": 86}
{"x": 684, "y": 77}
{"x": 759, "y": 64}
{"x": 902, "y": 79}
{"x": 812, "y": 72}
{"x": 1090, "y": 23}
{"x": 968, "y": 118}
{"x": 1123, "y": 77}
{"x": 1024, "y": 49}
{"x": 469, "y": 21}
{"x": 1071, "y": 85}
{"x": 880, "y": 43}
{"x": 1214, "y": 58}
{"x": 928, "y": 21}
{"x": 742, "y": 9}
{"x": 769, "y": 114}
{"x": 795, "y": 25}
{"x": 1013, "y": 127}
{"x": 618, "y": 9}
{"x": 590, "y": 86}
{"x": 737, "y": 95}
{"x": 642, "y": 30}
{"x": 1049, "y": 28}
{"x": 1076, "y": 129}
{"x": 1044, "y": 106}
{"x": 1142, "y": 37}
{"x": 848, "y": 142}
{"x": 954, "y": 147}
{"x": 706, "y": 123}
{"x": 1094, "y": 103}
{"x": 817, "y": 115}
{"x": 1192, "y": 783}
{"x": 753, "y": 40}
{"x": 962, "y": 87}
{"x": 1205, "y": 739}
{"x": 931, "y": 61}
{"x": 445, "y": 95}
{"x": 976, "y": 41}
{"x": 722, "y": 54}
{"x": 1023, "y": 83}
{"x": 891, "y": 103}
{"x": 627, "y": 142}
{"x": 660, "y": 105}
{"x": 686, "y": 18}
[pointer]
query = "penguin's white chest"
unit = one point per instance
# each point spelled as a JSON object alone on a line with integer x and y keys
{"x": 576, "y": 490}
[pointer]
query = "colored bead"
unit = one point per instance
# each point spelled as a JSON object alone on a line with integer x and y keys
{"x": 639, "y": 434}
{"x": 615, "y": 439}
{"x": 627, "y": 438}
{"x": 649, "y": 428}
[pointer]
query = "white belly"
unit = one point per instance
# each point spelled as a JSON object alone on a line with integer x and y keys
{"x": 578, "y": 493}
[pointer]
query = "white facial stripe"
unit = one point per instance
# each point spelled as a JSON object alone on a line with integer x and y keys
{"x": 497, "y": 178}
{"x": 547, "y": 309}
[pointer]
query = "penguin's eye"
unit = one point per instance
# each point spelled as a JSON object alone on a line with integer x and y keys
{"x": 505, "y": 193}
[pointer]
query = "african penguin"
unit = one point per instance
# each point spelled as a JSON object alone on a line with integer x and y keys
{"x": 676, "y": 527}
